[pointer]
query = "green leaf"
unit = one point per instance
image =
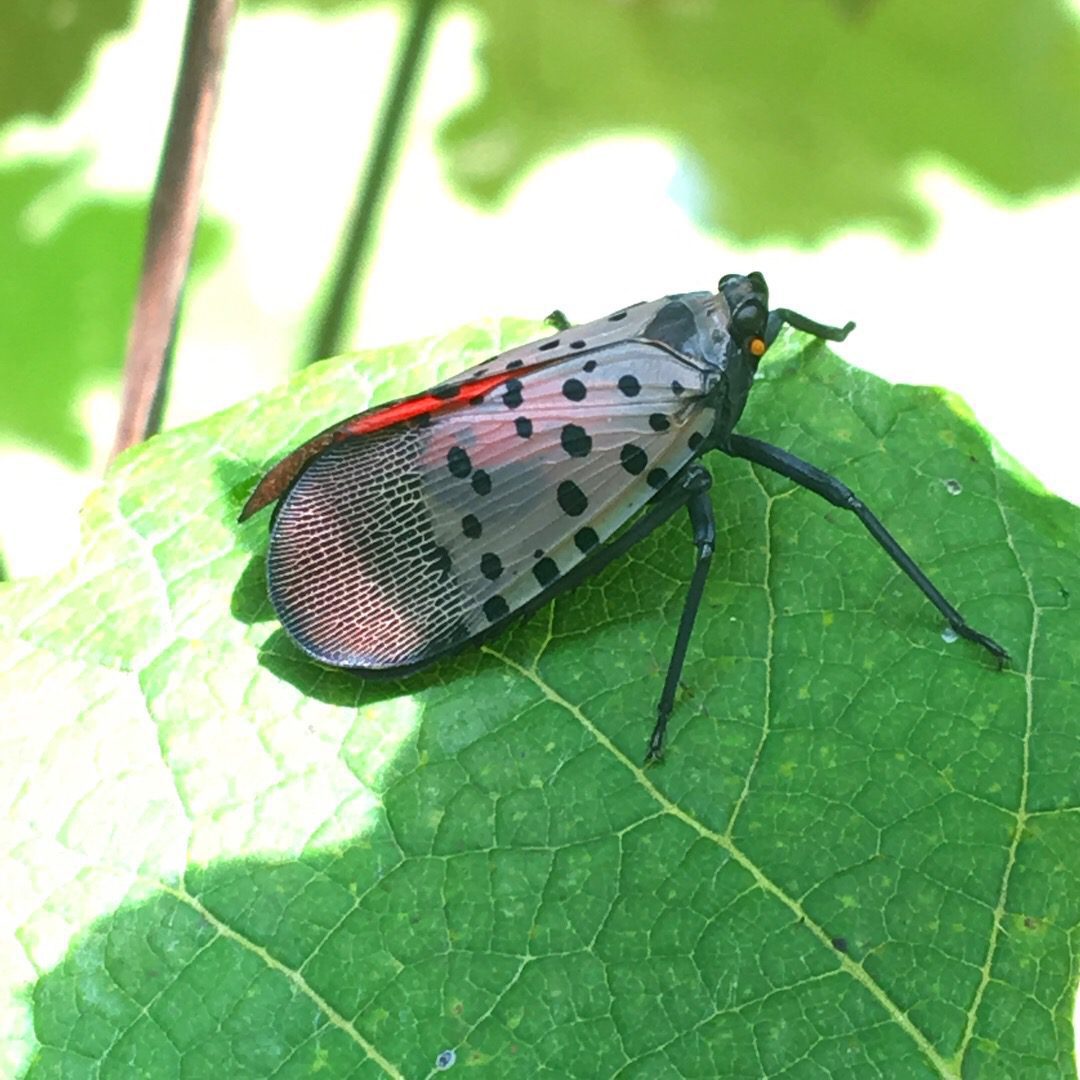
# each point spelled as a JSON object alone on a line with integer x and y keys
{"x": 859, "y": 857}
{"x": 71, "y": 277}
{"x": 791, "y": 120}
{"x": 48, "y": 48}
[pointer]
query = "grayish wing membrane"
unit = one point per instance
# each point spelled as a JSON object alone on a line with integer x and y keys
{"x": 394, "y": 547}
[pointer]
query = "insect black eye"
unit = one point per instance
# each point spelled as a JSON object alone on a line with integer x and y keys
{"x": 748, "y": 320}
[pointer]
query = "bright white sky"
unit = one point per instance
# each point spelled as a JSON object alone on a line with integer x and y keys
{"x": 294, "y": 86}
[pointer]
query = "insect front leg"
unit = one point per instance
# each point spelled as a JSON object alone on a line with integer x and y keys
{"x": 828, "y": 487}
{"x": 696, "y": 484}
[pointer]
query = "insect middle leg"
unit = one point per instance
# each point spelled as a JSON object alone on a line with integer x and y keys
{"x": 699, "y": 506}
{"x": 691, "y": 490}
{"x": 828, "y": 487}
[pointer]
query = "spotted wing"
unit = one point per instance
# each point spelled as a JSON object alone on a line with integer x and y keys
{"x": 454, "y": 393}
{"x": 394, "y": 545}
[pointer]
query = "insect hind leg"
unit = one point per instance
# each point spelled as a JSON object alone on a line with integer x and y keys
{"x": 828, "y": 487}
{"x": 696, "y": 484}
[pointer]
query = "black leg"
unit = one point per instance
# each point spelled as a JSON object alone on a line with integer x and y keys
{"x": 691, "y": 491}
{"x": 699, "y": 506}
{"x": 781, "y": 315}
{"x": 666, "y": 504}
{"x": 828, "y": 487}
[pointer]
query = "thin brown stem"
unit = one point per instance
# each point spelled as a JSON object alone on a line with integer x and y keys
{"x": 174, "y": 214}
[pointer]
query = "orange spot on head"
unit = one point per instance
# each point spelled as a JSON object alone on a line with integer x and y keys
{"x": 757, "y": 347}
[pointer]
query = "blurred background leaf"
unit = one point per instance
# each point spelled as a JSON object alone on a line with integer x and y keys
{"x": 72, "y": 293}
{"x": 48, "y": 45}
{"x": 798, "y": 120}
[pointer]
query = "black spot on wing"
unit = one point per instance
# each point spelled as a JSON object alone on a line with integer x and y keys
{"x": 457, "y": 461}
{"x": 574, "y": 390}
{"x": 496, "y": 608}
{"x": 512, "y": 393}
{"x": 585, "y": 539}
{"x": 571, "y": 499}
{"x": 545, "y": 572}
{"x": 673, "y": 324}
{"x": 576, "y": 442}
{"x": 633, "y": 459}
{"x": 439, "y": 559}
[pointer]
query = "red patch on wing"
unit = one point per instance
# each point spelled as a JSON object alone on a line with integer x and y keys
{"x": 428, "y": 403}
{"x": 276, "y": 481}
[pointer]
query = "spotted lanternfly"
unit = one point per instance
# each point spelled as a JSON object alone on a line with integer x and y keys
{"x": 412, "y": 528}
